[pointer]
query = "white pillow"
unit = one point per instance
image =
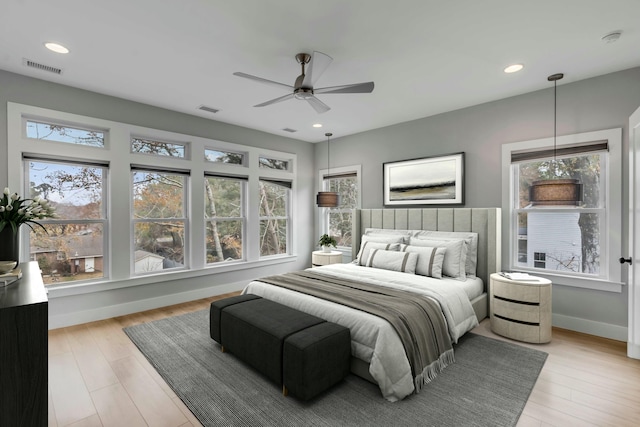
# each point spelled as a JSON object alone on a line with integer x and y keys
{"x": 404, "y": 262}
{"x": 367, "y": 246}
{"x": 382, "y": 238}
{"x": 430, "y": 260}
{"x": 454, "y": 259}
{"x": 469, "y": 237}
{"x": 405, "y": 234}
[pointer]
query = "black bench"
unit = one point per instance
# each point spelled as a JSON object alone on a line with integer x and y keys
{"x": 301, "y": 352}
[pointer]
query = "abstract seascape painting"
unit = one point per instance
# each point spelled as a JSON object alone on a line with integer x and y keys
{"x": 426, "y": 181}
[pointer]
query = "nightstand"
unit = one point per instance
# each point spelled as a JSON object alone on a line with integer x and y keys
{"x": 319, "y": 258}
{"x": 520, "y": 310}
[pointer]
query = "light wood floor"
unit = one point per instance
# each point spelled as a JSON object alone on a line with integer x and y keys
{"x": 97, "y": 377}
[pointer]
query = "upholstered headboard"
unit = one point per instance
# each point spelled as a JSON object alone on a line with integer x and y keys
{"x": 484, "y": 221}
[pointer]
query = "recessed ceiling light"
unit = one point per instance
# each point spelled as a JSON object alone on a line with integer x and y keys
{"x": 513, "y": 68}
{"x": 55, "y": 47}
{"x": 317, "y": 125}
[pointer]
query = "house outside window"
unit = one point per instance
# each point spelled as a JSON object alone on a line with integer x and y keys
{"x": 572, "y": 241}
{"x": 72, "y": 246}
{"x": 337, "y": 222}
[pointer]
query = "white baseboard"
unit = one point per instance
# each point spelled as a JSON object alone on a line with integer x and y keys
{"x": 633, "y": 350}
{"x": 79, "y": 317}
{"x": 600, "y": 329}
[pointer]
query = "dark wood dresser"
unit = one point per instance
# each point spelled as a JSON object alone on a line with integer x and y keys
{"x": 23, "y": 350}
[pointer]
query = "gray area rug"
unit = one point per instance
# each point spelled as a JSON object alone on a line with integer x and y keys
{"x": 488, "y": 385}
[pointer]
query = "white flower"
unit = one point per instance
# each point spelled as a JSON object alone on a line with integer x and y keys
{"x": 15, "y": 196}
{"x": 2, "y": 208}
{"x": 21, "y": 211}
{"x": 9, "y": 208}
{"x": 36, "y": 199}
{"x": 7, "y": 191}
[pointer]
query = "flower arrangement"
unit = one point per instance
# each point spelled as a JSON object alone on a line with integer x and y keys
{"x": 15, "y": 211}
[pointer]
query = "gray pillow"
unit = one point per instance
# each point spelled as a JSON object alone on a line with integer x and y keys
{"x": 430, "y": 260}
{"x": 404, "y": 262}
{"x": 455, "y": 257}
{"x": 367, "y": 246}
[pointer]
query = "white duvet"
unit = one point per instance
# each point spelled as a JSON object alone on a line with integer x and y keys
{"x": 373, "y": 339}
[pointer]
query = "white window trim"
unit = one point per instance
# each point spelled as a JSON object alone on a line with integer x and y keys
{"x": 117, "y": 154}
{"x": 323, "y": 224}
{"x": 613, "y": 222}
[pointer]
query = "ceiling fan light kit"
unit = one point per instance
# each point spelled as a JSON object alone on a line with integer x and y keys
{"x": 555, "y": 192}
{"x": 303, "y": 89}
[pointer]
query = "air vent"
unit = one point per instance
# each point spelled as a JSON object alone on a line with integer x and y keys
{"x": 36, "y": 65}
{"x": 289, "y": 130}
{"x": 208, "y": 109}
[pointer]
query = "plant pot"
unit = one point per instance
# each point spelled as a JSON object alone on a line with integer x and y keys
{"x": 9, "y": 245}
{"x": 326, "y": 249}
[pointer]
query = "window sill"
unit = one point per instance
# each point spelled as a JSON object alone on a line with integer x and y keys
{"x": 577, "y": 282}
{"x": 57, "y": 291}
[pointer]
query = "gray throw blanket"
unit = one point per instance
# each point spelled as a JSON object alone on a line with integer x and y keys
{"x": 417, "y": 319}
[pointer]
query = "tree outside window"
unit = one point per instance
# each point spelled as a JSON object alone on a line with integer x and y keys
{"x": 159, "y": 220}
{"x": 224, "y": 213}
{"x": 340, "y": 218}
{"x": 274, "y": 217}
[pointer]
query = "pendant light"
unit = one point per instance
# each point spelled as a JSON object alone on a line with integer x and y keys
{"x": 555, "y": 191}
{"x": 328, "y": 199}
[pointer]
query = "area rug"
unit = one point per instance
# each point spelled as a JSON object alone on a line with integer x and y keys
{"x": 488, "y": 385}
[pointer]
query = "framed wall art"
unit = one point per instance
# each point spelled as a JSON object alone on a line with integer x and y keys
{"x": 427, "y": 181}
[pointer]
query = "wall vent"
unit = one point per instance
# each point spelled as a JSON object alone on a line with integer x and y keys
{"x": 29, "y": 63}
{"x": 289, "y": 130}
{"x": 208, "y": 109}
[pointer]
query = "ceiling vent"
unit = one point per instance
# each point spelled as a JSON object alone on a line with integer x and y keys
{"x": 289, "y": 130}
{"x": 29, "y": 63}
{"x": 208, "y": 109}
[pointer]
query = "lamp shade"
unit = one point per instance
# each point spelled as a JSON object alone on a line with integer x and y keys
{"x": 567, "y": 192}
{"x": 328, "y": 199}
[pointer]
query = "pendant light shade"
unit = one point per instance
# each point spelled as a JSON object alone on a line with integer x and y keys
{"x": 555, "y": 192}
{"x": 328, "y": 199}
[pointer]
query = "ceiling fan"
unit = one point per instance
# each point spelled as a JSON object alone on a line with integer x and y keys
{"x": 303, "y": 89}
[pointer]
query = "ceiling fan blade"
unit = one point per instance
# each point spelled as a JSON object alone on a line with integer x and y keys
{"x": 261, "y": 80}
{"x": 353, "y": 88}
{"x": 276, "y": 100}
{"x": 317, "y": 65}
{"x": 318, "y": 105}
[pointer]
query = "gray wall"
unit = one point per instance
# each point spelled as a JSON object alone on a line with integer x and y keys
{"x": 63, "y": 310}
{"x": 599, "y": 103}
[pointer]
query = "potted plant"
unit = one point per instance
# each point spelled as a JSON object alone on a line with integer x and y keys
{"x": 326, "y": 242}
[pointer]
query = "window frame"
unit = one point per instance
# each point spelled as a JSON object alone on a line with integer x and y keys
{"x": 242, "y": 218}
{"x": 116, "y": 153}
{"x": 286, "y": 217}
{"x": 611, "y": 280}
{"x": 323, "y": 225}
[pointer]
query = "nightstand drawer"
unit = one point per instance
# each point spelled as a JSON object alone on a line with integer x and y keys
{"x": 511, "y": 310}
{"x": 519, "y": 331}
{"x": 515, "y": 292}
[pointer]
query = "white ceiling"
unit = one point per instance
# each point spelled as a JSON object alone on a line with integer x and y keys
{"x": 425, "y": 56}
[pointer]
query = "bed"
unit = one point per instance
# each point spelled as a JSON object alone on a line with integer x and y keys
{"x": 378, "y": 352}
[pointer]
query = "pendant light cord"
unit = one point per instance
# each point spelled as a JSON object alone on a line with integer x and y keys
{"x": 554, "y": 78}
{"x": 328, "y": 135}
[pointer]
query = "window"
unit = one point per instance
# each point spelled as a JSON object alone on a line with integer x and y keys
{"x": 71, "y": 247}
{"x": 337, "y": 222}
{"x": 158, "y": 148}
{"x": 159, "y": 220}
{"x": 219, "y": 156}
{"x": 274, "y": 216}
{"x": 61, "y": 133}
{"x": 270, "y": 163}
{"x": 572, "y": 241}
{"x": 224, "y": 213}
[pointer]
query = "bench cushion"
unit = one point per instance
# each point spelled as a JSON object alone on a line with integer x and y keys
{"x": 315, "y": 359}
{"x": 254, "y": 330}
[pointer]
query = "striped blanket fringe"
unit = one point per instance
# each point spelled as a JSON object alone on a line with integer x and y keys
{"x": 432, "y": 371}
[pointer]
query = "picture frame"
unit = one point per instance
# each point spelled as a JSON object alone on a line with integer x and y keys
{"x": 437, "y": 180}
